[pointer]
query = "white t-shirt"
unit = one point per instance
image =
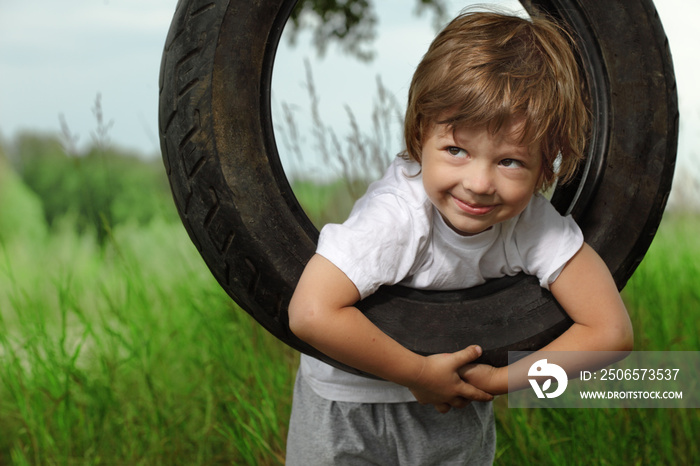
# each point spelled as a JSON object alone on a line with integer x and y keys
{"x": 394, "y": 234}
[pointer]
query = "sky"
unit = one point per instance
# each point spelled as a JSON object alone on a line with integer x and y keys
{"x": 57, "y": 58}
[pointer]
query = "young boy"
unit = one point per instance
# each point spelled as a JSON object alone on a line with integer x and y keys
{"x": 494, "y": 103}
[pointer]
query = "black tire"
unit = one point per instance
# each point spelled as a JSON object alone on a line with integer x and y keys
{"x": 239, "y": 210}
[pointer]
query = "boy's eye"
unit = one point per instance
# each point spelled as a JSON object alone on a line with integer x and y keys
{"x": 456, "y": 152}
{"x": 511, "y": 163}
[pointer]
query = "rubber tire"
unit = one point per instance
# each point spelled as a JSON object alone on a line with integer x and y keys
{"x": 237, "y": 206}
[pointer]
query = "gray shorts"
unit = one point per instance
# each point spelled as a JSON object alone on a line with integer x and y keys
{"x": 325, "y": 432}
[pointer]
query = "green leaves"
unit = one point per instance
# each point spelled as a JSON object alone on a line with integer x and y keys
{"x": 351, "y": 24}
{"x": 99, "y": 189}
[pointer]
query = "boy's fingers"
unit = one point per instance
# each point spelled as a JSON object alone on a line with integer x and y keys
{"x": 468, "y": 354}
{"x": 462, "y": 371}
{"x": 460, "y": 403}
{"x": 442, "y": 407}
{"x": 474, "y": 394}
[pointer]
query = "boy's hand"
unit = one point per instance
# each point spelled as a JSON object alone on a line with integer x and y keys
{"x": 484, "y": 377}
{"x": 439, "y": 382}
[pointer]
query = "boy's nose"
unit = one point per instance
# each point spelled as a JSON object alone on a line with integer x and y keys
{"x": 478, "y": 180}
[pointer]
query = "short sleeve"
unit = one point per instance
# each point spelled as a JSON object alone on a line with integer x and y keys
{"x": 545, "y": 240}
{"x": 377, "y": 245}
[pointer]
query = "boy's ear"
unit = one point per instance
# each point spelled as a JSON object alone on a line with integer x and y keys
{"x": 539, "y": 186}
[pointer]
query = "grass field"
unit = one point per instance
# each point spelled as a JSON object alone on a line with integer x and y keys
{"x": 130, "y": 353}
{"x": 664, "y": 304}
{"x": 134, "y": 355}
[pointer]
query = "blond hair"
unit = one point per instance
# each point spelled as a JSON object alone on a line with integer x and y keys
{"x": 485, "y": 69}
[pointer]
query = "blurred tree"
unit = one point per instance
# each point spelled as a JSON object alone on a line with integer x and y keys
{"x": 349, "y": 23}
{"x": 99, "y": 189}
{"x": 21, "y": 211}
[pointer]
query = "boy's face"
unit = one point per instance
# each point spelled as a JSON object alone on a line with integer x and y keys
{"x": 477, "y": 179}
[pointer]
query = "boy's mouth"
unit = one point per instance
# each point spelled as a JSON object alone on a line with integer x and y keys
{"x": 473, "y": 209}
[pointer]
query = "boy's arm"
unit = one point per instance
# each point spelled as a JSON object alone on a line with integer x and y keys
{"x": 587, "y": 292}
{"x": 321, "y": 312}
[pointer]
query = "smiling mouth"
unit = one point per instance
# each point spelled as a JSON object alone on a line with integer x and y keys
{"x": 473, "y": 209}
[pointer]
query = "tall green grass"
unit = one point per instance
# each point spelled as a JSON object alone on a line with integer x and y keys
{"x": 664, "y": 294}
{"x": 663, "y": 300}
{"x": 132, "y": 354}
